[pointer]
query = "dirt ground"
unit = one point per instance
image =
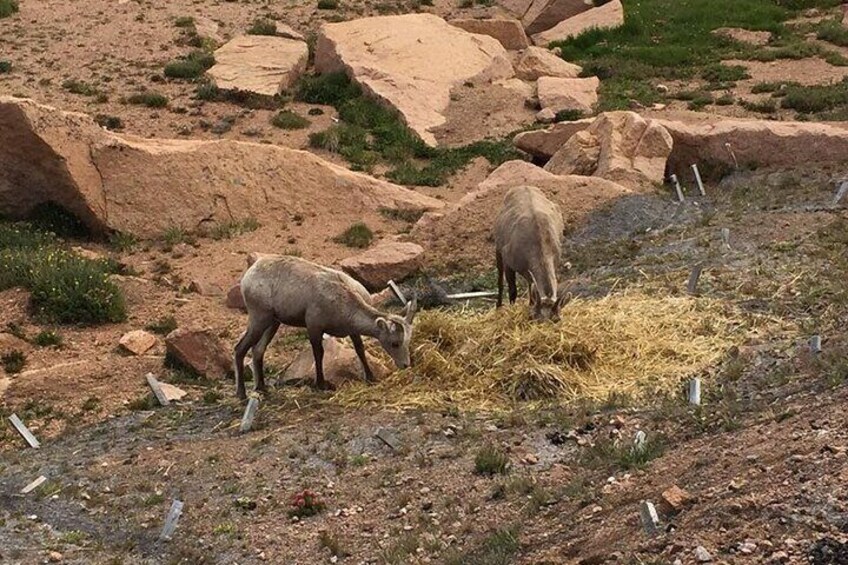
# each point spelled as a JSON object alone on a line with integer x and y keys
{"x": 763, "y": 459}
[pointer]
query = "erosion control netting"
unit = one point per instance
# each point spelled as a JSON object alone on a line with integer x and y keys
{"x": 628, "y": 344}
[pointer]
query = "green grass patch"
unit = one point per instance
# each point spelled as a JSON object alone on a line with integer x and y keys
{"x": 286, "y": 119}
{"x": 150, "y": 99}
{"x": 498, "y": 548}
{"x": 768, "y": 106}
{"x": 834, "y": 32}
{"x": 191, "y": 66}
{"x": 229, "y": 230}
{"x": 80, "y": 87}
{"x": 13, "y": 362}
{"x": 184, "y": 21}
{"x": 357, "y": 235}
{"x": 8, "y": 7}
{"x": 328, "y": 4}
{"x": 369, "y": 134}
{"x": 491, "y": 460}
{"x": 5, "y": 66}
{"x": 673, "y": 40}
{"x": 162, "y": 326}
{"x": 262, "y": 26}
{"x": 64, "y": 287}
{"x": 47, "y": 339}
{"x": 825, "y": 101}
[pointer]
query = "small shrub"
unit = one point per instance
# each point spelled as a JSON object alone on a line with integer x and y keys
{"x": 286, "y": 119}
{"x": 357, "y": 235}
{"x": 332, "y": 543}
{"x": 113, "y": 123}
{"x": 409, "y": 215}
{"x": 150, "y": 99}
{"x": 491, "y": 460}
{"x": 75, "y": 86}
{"x": 47, "y": 339}
{"x": 328, "y": 4}
{"x": 212, "y": 397}
{"x": 306, "y": 503}
{"x": 8, "y": 7}
{"x": 184, "y": 21}
{"x": 330, "y": 89}
{"x": 229, "y": 230}
{"x": 724, "y": 73}
{"x": 162, "y": 326}
{"x": 725, "y": 100}
{"x": 122, "y": 242}
{"x": 569, "y": 115}
{"x": 499, "y": 548}
{"x": 13, "y": 361}
{"x": 191, "y": 66}
{"x": 762, "y": 107}
{"x": 262, "y": 27}
{"x": 834, "y": 32}
{"x": 5, "y": 66}
{"x": 143, "y": 403}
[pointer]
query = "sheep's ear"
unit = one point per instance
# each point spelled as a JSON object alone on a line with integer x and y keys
{"x": 563, "y": 300}
{"x": 411, "y": 307}
{"x": 383, "y": 324}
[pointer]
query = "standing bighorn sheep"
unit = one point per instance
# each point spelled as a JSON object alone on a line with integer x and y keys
{"x": 528, "y": 232}
{"x": 296, "y": 292}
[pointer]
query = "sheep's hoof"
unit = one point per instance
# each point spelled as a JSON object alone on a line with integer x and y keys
{"x": 325, "y": 385}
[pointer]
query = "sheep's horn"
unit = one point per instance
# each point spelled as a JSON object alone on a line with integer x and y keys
{"x": 411, "y": 307}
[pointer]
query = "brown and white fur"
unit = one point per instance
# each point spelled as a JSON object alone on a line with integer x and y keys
{"x": 528, "y": 241}
{"x": 295, "y": 292}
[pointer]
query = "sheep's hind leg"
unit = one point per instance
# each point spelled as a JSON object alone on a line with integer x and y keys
{"x": 360, "y": 352}
{"x": 513, "y": 289}
{"x": 499, "y": 264}
{"x": 258, "y": 361}
{"x": 316, "y": 339}
{"x": 256, "y": 326}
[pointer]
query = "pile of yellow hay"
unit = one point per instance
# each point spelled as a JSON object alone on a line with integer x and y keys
{"x": 629, "y": 344}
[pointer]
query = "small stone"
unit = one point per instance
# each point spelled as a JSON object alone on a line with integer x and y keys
{"x": 662, "y": 89}
{"x": 204, "y": 289}
{"x": 546, "y": 116}
{"x": 531, "y": 459}
{"x": 137, "y": 342}
{"x": 779, "y": 557}
{"x": 55, "y": 557}
{"x": 702, "y": 555}
{"x": 675, "y": 498}
{"x": 172, "y": 392}
{"x": 424, "y": 490}
{"x": 747, "y": 547}
{"x": 736, "y": 485}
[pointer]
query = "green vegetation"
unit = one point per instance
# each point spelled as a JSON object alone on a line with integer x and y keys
{"x": 262, "y": 27}
{"x": 491, "y": 460}
{"x": 209, "y": 92}
{"x": 64, "y": 287}
{"x": 75, "y": 86}
{"x": 191, "y": 66}
{"x": 150, "y": 99}
{"x": 184, "y": 21}
{"x": 357, "y": 235}
{"x": 328, "y": 4}
{"x": 162, "y": 326}
{"x": 13, "y": 361}
{"x": 5, "y": 66}
{"x": 47, "y": 339}
{"x": 8, "y": 7}
{"x": 499, "y": 548}
{"x": 673, "y": 40}
{"x": 109, "y": 122}
{"x": 834, "y": 32}
{"x": 229, "y": 230}
{"x": 825, "y": 101}
{"x": 606, "y": 454}
{"x": 370, "y": 133}
{"x": 286, "y": 119}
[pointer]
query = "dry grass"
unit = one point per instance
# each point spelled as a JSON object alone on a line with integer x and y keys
{"x": 627, "y": 344}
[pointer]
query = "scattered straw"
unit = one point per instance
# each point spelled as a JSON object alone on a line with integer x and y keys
{"x": 628, "y": 344}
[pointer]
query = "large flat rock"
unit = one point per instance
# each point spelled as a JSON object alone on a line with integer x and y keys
{"x": 261, "y": 64}
{"x": 545, "y": 14}
{"x": 411, "y": 63}
{"x": 568, "y": 93}
{"x": 606, "y": 16}
{"x": 146, "y": 186}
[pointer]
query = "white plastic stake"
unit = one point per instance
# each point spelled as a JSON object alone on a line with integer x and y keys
{"x": 725, "y": 237}
{"x": 157, "y": 390}
{"x": 171, "y": 521}
{"x": 732, "y": 154}
{"x": 249, "y": 414}
{"x": 24, "y": 431}
{"x": 650, "y": 519}
{"x": 698, "y": 179}
{"x": 692, "y": 287}
{"x": 34, "y": 485}
{"x": 396, "y": 290}
{"x": 815, "y": 344}
{"x": 695, "y": 392}
{"x": 639, "y": 441}
{"x": 677, "y": 187}
{"x": 843, "y": 190}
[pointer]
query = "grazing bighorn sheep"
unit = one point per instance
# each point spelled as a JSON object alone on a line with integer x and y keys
{"x": 295, "y": 292}
{"x": 528, "y": 232}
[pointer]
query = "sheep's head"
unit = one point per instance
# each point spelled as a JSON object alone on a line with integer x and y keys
{"x": 395, "y": 333}
{"x": 546, "y": 308}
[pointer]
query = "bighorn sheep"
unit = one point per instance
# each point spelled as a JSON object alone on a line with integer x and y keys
{"x": 528, "y": 232}
{"x": 295, "y": 292}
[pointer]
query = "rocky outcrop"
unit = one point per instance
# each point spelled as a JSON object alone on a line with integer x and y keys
{"x": 509, "y": 32}
{"x": 137, "y": 342}
{"x": 543, "y": 143}
{"x": 560, "y": 94}
{"x": 390, "y": 260}
{"x": 463, "y": 231}
{"x": 411, "y": 63}
{"x": 609, "y": 15}
{"x": 719, "y": 145}
{"x": 261, "y": 64}
{"x": 146, "y": 186}
{"x": 535, "y": 62}
{"x": 340, "y": 365}
{"x": 619, "y": 146}
{"x": 200, "y": 351}
{"x": 545, "y": 14}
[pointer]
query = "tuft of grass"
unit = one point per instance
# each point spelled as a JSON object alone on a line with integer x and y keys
{"x": 569, "y": 115}
{"x": 724, "y": 73}
{"x": 191, "y": 66}
{"x": 82, "y": 88}
{"x": 409, "y": 215}
{"x": 143, "y": 403}
{"x": 834, "y": 32}
{"x": 5, "y": 66}
{"x": 358, "y": 235}
{"x": 606, "y": 454}
{"x": 113, "y": 123}
{"x": 817, "y": 99}
{"x": 47, "y": 339}
{"x": 73, "y": 537}
{"x": 763, "y": 107}
{"x": 184, "y": 21}
{"x": 491, "y": 460}
{"x": 229, "y": 230}
{"x": 328, "y": 4}
{"x": 162, "y": 326}
{"x": 122, "y": 242}
{"x": 64, "y": 287}
{"x": 8, "y": 7}
{"x": 286, "y": 119}
{"x": 331, "y": 542}
{"x": 262, "y": 26}
{"x": 150, "y": 99}
{"x": 13, "y": 361}
{"x": 499, "y": 548}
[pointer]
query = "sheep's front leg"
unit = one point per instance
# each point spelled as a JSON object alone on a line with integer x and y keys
{"x": 513, "y": 288}
{"x": 499, "y": 263}
{"x": 360, "y": 352}
{"x": 316, "y": 339}
{"x": 258, "y": 362}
